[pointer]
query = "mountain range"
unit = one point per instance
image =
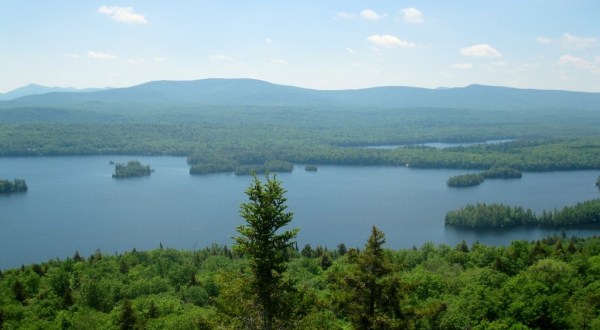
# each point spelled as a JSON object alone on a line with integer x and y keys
{"x": 250, "y": 92}
{"x": 35, "y": 89}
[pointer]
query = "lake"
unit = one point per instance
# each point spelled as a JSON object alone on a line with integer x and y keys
{"x": 73, "y": 203}
{"x": 438, "y": 145}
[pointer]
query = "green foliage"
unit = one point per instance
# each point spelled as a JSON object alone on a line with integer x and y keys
{"x": 266, "y": 283}
{"x": 466, "y": 180}
{"x": 542, "y": 284}
{"x": 270, "y": 166}
{"x": 474, "y": 179}
{"x": 489, "y": 215}
{"x": 502, "y": 173}
{"x": 365, "y": 291}
{"x": 267, "y": 250}
{"x": 127, "y": 319}
{"x": 498, "y": 215}
{"x": 133, "y": 168}
{"x": 227, "y": 137}
{"x": 17, "y": 185}
{"x": 310, "y": 168}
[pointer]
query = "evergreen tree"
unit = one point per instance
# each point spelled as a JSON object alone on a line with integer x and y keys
{"x": 266, "y": 249}
{"x": 127, "y": 319}
{"x": 19, "y": 291}
{"x": 369, "y": 295}
{"x": 307, "y": 251}
{"x": 341, "y": 249}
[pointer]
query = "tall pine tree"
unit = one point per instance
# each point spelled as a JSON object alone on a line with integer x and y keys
{"x": 266, "y": 248}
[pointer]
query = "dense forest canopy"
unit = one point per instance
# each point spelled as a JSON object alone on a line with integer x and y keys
{"x": 547, "y": 284}
{"x": 484, "y": 215}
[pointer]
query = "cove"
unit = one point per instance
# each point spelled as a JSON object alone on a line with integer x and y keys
{"x": 74, "y": 204}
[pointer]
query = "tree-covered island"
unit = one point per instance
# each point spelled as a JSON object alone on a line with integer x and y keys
{"x": 483, "y": 215}
{"x": 17, "y": 185}
{"x": 474, "y": 179}
{"x": 133, "y": 168}
{"x": 310, "y": 168}
{"x": 200, "y": 165}
{"x": 465, "y": 180}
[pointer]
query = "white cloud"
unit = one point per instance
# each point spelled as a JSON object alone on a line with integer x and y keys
{"x": 389, "y": 41}
{"x": 278, "y": 61}
{"x": 371, "y": 15}
{"x": 462, "y": 66}
{"x": 350, "y": 50}
{"x": 100, "y": 56}
{"x": 268, "y": 40}
{"x": 570, "y": 41}
{"x": 219, "y": 57}
{"x": 159, "y": 59}
{"x": 412, "y": 15}
{"x": 123, "y": 15}
{"x": 577, "y": 62}
{"x": 344, "y": 15}
{"x": 481, "y": 50}
{"x": 71, "y": 55}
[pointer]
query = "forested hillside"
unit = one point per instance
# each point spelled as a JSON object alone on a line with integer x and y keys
{"x": 548, "y": 284}
{"x": 223, "y": 124}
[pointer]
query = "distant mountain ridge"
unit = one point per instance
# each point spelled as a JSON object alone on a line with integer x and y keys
{"x": 250, "y": 92}
{"x": 35, "y": 89}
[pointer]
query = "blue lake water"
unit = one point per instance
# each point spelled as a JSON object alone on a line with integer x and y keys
{"x": 74, "y": 204}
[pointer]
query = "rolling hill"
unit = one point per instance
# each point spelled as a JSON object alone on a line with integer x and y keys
{"x": 249, "y": 92}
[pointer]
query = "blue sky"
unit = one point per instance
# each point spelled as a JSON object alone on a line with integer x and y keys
{"x": 332, "y": 44}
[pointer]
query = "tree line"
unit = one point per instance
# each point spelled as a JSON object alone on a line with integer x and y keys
{"x": 267, "y": 282}
{"x": 482, "y": 215}
{"x": 222, "y": 148}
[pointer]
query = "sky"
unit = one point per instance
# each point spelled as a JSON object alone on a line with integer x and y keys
{"x": 320, "y": 44}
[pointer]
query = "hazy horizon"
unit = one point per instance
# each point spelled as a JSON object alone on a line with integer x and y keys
{"x": 318, "y": 45}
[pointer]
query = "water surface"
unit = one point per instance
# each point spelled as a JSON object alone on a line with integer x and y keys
{"x": 74, "y": 204}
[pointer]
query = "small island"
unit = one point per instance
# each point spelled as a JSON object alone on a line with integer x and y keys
{"x": 17, "y": 185}
{"x": 133, "y": 168}
{"x": 484, "y": 215}
{"x": 202, "y": 165}
{"x": 465, "y": 180}
{"x": 598, "y": 183}
{"x": 474, "y": 179}
{"x": 310, "y": 168}
{"x": 271, "y": 166}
